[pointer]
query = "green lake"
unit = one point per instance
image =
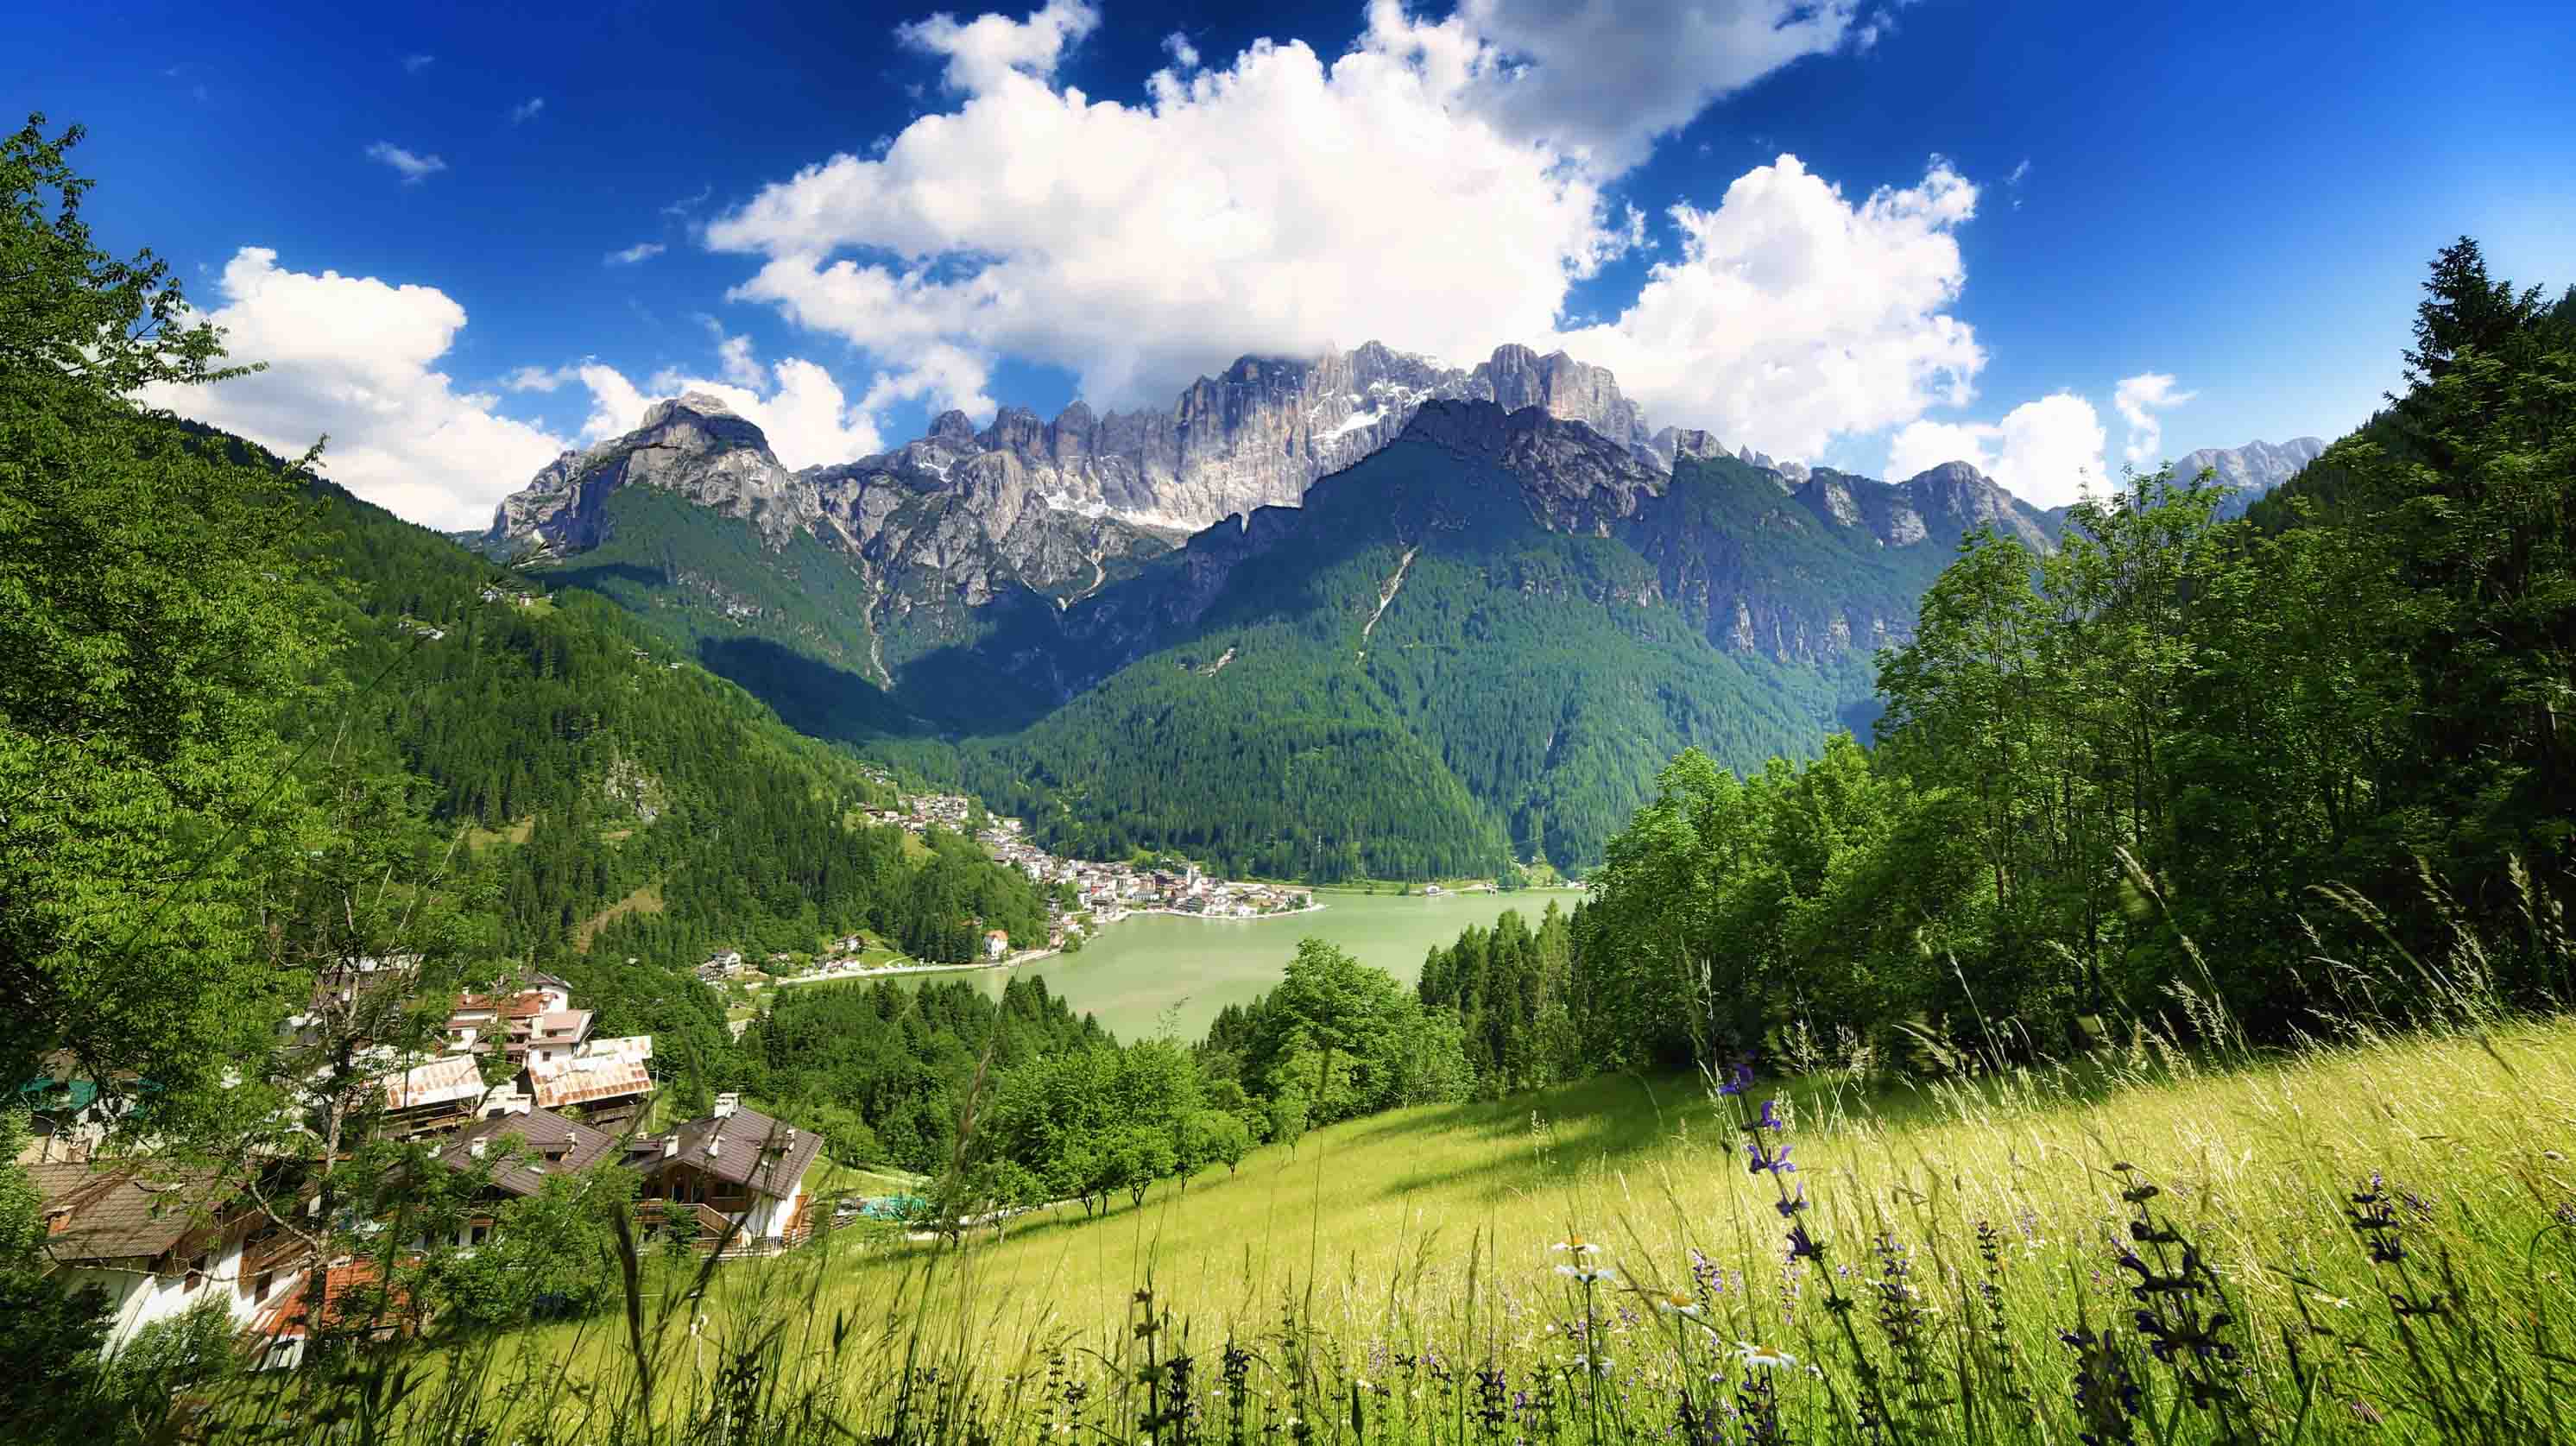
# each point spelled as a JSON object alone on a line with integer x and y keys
{"x": 1139, "y": 967}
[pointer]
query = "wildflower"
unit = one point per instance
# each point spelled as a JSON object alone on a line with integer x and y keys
{"x": 2375, "y": 1221}
{"x": 1575, "y": 1245}
{"x": 1597, "y": 1365}
{"x": 1587, "y": 1274}
{"x": 1675, "y": 1302}
{"x": 1738, "y": 1079}
{"x": 2107, "y": 1397}
{"x": 1790, "y": 1205}
{"x": 1767, "y": 1357}
{"x": 1705, "y": 1273}
{"x": 1771, "y": 1116}
{"x": 1760, "y": 1157}
{"x": 1803, "y": 1246}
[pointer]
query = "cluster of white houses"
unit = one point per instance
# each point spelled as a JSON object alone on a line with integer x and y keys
{"x": 1108, "y": 891}
{"x": 158, "y": 1237}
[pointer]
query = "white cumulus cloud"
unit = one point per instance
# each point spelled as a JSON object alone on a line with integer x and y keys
{"x": 2139, "y": 398}
{"x": 414, "y": 167}
{"x": 640, "y": 251}
{"x": 2048, "y": 452}
{"x": 796, "y": 403}
{"x": 356, "y": 358}
{"x": 1439, "y": 187}
{"x": 1793, "y": 314}
{"x": 527, "y": 110}
{"x": 1278, "y": 205}
{"x": 1604, "y": 82}
{"x": 987, "y": 51}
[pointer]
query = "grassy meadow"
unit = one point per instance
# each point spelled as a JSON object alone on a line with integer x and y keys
{"x": 1407, "y": 1275}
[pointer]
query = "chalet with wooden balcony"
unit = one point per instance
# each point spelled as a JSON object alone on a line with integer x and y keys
{"x": 737, "y": 1177}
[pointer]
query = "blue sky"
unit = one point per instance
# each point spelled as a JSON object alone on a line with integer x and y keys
{"x": 1993, "y": 219}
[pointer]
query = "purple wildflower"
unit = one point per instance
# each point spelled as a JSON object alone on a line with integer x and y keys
{"x": 1760, "y": 1158}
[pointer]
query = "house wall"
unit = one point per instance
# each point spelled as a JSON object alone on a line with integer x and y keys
{"x": 141, "y": 1297}
{"x": 770, "y": 1215}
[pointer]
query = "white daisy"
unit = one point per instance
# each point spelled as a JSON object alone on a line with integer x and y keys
{"x": 1767, "y": 1357}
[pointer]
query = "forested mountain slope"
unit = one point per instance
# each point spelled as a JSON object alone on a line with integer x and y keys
{"x": 1480, "y": 641}
{"x": 619, "y": 810}
{"x": 1471, "y": 647}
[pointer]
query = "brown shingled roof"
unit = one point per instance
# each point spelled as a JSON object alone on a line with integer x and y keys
{"x": 540, "y": 1130}
{"x": 132, "y": 1209}
{"x": 741, "y": 1157}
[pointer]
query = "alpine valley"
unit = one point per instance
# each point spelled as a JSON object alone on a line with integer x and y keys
{"x": 1359, "y": 615}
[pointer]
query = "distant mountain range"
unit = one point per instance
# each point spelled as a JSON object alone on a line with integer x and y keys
{"x": 1312, "y": 592}
{"x": 2251, "y": 471}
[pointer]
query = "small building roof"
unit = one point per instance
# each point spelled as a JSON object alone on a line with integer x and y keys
{"x": 587, "y": 1079}
{"x": 568, "y": 1146}
{"x": 575, "y": 1022}
{"x": 755, "y": 1151}
{"x": 442, "y": 1081}
{"x": 136, "y": 1208}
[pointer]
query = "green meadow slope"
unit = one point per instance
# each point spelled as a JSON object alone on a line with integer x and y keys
{"x": 1396, "y": 1254}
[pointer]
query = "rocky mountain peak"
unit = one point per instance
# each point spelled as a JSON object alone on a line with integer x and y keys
{"x": 2259, "y": 465}
{"x": 1264, "y": 428}
{"x": 1573, "y": 478}
{"x": 693, "y": 445}
{"x": 1954, "y": 497}
{"x": 1949, "y": 474}
{"x": 704, "y": 404}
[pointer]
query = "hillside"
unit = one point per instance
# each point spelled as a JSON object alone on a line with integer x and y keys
{"x": 1469, "y": 647}
{"x": 1393, "y": 1256}
{"x": 1411, "y": 675}
{"x": 618, "y": 800}
{"x": 1509, "y": 596}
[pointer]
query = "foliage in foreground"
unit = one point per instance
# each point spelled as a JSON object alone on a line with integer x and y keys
{"x": 2136, "y": 1251}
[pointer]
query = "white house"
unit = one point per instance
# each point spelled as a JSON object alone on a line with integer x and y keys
{"x": 557, "y": 1034}
{"x": 159, "y": 1239}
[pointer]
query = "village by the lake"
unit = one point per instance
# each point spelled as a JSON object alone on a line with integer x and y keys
{"x": 1083, "y": 897}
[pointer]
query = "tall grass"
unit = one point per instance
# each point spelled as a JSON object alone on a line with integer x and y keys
{"x": 2369, "y": 1238}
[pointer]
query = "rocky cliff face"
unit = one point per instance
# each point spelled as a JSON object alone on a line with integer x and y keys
{"x": 1256, "y": 435}
{"x": 692, "y": 445}
{"x": 1794, "y": 570}
{"x": 1261, "y": 432}
{"x": 2260, "y": 466}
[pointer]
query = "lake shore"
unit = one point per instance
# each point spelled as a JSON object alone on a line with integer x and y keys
{"x": 1031, "y": 956}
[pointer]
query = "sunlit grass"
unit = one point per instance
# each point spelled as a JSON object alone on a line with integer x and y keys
{"x": 1383, "y": 1262}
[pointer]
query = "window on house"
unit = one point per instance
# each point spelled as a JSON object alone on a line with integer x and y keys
{"x": 260, "y": 1287}
{"x": 478, "y": 1234}
{"x": 196, "y": 1272}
